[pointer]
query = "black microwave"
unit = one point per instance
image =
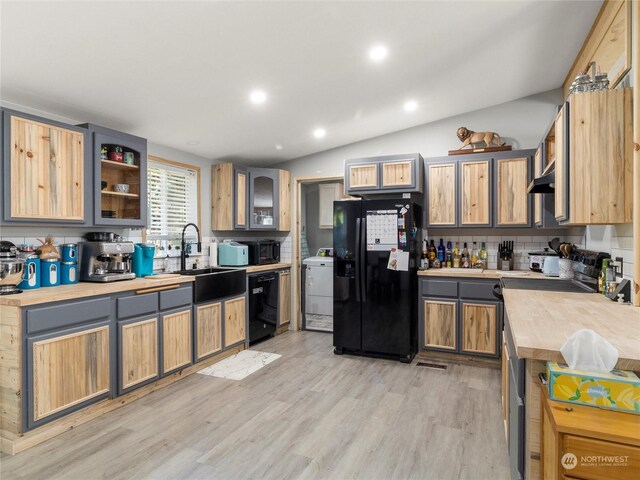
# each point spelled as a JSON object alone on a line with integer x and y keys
{"x": 263, "y": 252}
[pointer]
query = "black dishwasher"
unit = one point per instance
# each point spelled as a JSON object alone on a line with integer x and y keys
{"x": 263, "y": 305}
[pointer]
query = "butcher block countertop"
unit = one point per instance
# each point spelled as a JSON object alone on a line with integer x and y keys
{"x": 88, "y": 289}
{"x": 541, "y": 321}
{"x": 476, "y": 273}
{"x": 262, "y": 268}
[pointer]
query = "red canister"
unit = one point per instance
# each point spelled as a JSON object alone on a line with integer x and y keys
{"x": 116, "y": 155}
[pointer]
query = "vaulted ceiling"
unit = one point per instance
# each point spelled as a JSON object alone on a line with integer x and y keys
{"x": 180, "y": 73}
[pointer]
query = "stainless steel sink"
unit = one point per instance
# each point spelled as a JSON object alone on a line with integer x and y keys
{"x": 214, "y": 283}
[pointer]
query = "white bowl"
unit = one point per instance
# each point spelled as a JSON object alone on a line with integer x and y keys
{"x": 121, "y": 188}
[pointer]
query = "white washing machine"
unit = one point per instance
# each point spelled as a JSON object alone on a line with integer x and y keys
{"x": 319, "y": 285}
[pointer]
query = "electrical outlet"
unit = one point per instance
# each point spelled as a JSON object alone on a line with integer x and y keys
{"x": 618, "y": 264}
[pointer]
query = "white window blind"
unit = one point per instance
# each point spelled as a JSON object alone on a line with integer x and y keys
{"x": 172, "y": 199}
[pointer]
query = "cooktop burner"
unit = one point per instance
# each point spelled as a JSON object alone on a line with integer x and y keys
{"x": 545, "y": 284}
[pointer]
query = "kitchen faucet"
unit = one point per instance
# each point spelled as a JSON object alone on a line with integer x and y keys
{"x": 183, "y": 255}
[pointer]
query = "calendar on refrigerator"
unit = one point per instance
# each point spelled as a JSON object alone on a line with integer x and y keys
{"x": 382, "y": 229}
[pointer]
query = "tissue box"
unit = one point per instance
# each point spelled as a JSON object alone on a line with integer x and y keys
{"x": 618, "y": 390}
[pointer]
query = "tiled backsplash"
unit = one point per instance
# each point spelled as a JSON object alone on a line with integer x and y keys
{"x": 169, "y": 263}
{"x": 523, "y": 244}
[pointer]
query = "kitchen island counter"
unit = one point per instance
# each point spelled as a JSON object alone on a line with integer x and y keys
{"x": 541, "y": 321}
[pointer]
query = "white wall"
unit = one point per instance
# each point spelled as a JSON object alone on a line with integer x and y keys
{"x": 520, "y": 122}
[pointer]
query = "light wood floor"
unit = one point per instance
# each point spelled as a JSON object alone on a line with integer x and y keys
{"x": 310, "y": 414}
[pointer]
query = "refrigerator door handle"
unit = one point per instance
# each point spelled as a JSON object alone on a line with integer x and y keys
{"x": 357, "y": 255}
{"x": 362, "y": 259}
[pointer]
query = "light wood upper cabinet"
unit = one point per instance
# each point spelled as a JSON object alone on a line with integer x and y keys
{"x": 69, "y": 369}
{"x": 600, "y": 169}
{"x": 176, "y": 340}
{"x": 475, "y": 193}
{"x": 440, "y": 319}
{"x": 245, "y": 198}
{"x": 138, "y": 352}
{"x": 208, "y": 329}
{"x": 363, "y": 176}
{"x": 46, "y": 178}
{"x": 441, "y": 194}
{"x": 223, "y": 201}
{"x": 284, "y": 303}
{"x": 512, "y": 199}
{"x": 479, "y": 324}
{"x": 234, "y": 321}
{"x": 284, "y": 202}
{"x": 397, "y": 174}
{"x": 240, "y": 199}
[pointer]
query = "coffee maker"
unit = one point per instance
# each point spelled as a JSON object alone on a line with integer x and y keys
{"x": 106, "y": 261}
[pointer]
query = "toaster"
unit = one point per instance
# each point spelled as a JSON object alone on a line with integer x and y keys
{"x": 233, "y": 254}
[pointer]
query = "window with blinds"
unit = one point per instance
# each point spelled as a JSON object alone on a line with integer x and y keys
{"x": 172, "y": 199}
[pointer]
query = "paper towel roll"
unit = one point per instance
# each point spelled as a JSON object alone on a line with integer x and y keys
{"x": 213, "y": 254}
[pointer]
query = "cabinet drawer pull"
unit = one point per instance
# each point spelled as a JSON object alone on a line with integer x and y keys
{"x": 156, "y": 289}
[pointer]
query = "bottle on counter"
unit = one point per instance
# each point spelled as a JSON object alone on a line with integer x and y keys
{"x": 474, "y": 254}
{"x": 432, "y": 253}
{"x": 424, "y": 259}
{"x": 484, "y": 255}
{"x": 456, "y": 257}
{"x": 449, "y": 256}
{"x": 441, "y": 251}
{"x": 464, "y": 258}
{"x": 610, "y": 278}
{"x": 602, "y": 278}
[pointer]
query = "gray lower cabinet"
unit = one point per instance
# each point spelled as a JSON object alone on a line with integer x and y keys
{"x": 69, "y": 362}
{"x": 459, "y": 316}
{"x": 207, "y": 330}
{"x": 138, "y": 352}
{"x": 79, "y": 352}
{"x": 167, "y": 316}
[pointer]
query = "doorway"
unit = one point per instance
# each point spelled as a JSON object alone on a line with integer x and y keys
{"x": 313, "y": 251}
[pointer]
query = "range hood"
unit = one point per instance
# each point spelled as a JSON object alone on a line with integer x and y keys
{"x": 543, "y": 184}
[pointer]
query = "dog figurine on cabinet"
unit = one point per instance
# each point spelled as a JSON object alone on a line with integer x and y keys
{"x": 469, "y": 137}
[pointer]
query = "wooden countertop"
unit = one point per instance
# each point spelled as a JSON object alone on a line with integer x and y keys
{"x": 86, "y": 289}
{"x": 541, "y": 322}
{"x": 262, "y": 268}
{"x": 476, "y": 273}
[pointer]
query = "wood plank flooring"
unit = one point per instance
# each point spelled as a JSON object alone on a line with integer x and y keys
{"x": 310, "y": 414}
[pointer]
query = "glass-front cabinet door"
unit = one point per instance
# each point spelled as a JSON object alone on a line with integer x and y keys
{"x": 263, "y": 198}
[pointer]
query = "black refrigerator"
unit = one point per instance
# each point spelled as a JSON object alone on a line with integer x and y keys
{"x": 376, "y": 245}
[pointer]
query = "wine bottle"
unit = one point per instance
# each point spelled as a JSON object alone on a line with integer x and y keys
{"x": 441, "y": 251}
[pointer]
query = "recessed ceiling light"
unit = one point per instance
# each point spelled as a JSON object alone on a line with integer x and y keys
{"x": 278, "y": 146}
{"x": 257, "y": 97}
{"x": 377, "y": 53}
{"x": 410, "y": 105}
{"x": 193, "y": 142}
{"x": 319, "y": 132}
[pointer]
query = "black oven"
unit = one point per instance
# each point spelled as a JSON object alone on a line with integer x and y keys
{"x": 263, "y": 252}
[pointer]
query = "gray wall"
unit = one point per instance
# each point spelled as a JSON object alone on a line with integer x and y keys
{"x": 316, "y": 237}
{"x": 521, "y": 122}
